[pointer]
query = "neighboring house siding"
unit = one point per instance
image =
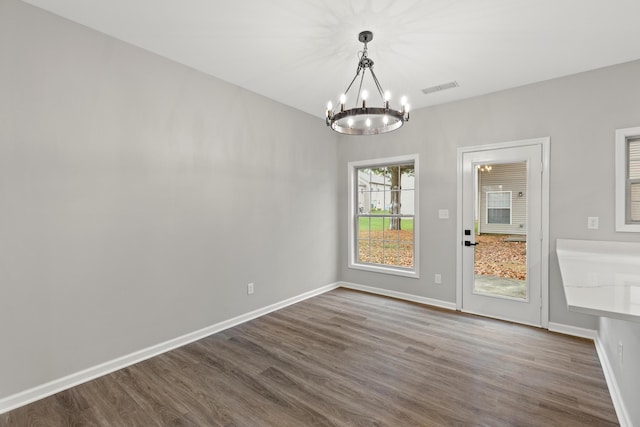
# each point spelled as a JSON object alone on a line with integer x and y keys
{"x": 375, "y": 193}
{"x": 507, "y": 177}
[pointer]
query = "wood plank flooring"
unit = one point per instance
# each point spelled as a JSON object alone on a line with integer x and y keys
{"x": 349, "y": 358}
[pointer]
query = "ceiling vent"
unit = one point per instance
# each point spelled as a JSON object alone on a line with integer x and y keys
{"x": 438, "y": 88}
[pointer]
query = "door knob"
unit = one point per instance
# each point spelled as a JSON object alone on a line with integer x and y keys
{"x": 468, "y": 243}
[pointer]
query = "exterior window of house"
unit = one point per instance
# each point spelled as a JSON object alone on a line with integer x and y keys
{"x": 498, "y": 207}
{"x": 628, "y": 179}
{"x": 383, "y": 215}
{"x": 633, "y": 181}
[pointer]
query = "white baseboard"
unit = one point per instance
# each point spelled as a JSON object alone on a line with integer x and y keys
{"x": 504, "y": 319}
{"x": 399, "y": 295}
{"x": 612, "y": 384}
{"x": 573, "y": 330}
{"x": 39, "y": 392}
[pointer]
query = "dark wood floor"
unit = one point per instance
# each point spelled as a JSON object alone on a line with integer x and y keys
{"x": 349, "y": 358}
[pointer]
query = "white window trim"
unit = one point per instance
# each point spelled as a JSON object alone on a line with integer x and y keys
{"x": 353, "y": 205}
{"x": 487, "y": 207}
{"x": 621, "y": 179}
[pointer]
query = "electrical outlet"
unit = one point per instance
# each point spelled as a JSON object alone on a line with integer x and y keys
{"x": 249, "y": 288}
{"x": 592, "y": 222}
{"x": 620, "y": 352}
{"x": 437, "y": 279}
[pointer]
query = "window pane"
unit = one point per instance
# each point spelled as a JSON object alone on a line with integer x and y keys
{"x": 375, "y": 252}
{"x": 384, "y": 173}
{"x": 499, "y": 199}
{"x": 383, "y": 193}
{"x": 364, "y": 205}
{"x": 364, "y": 227}
{"x": 391, "y": 254}
{"x": 371, "y": 191}
{"x": 499, "y": 216}
{"x": 386, "y": 240}
{"x": 391, "y": 231}
{"x": 406, "y": 202}
{"x": 364, "y": 251}
{"x": 407, "y": 181}
{"x": 391, "y": 227}
{"x": 634, "y": 169}
{"x": 406, "y": 254}
{"x": 634, "y": 174}
{"x": 634, "y": 158}
{"x": 635, "y": 201}
{"x": 370, "y": 224}
{"x": 406, "y": 224}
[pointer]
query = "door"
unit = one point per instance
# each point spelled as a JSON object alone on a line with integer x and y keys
{"x": 502, "y": 233}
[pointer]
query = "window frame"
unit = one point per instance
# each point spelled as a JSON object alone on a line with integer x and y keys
{"x": 353, "y": 216}
{"x": 487, "y": 207}
{"x": 622, "y": 136}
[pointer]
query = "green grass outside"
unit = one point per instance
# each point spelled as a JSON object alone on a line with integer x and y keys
{"x": 378, "y": 224}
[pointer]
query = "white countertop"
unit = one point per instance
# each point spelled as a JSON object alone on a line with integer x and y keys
{"x": 601, "y": 278}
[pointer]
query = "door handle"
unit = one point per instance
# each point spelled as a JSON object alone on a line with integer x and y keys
{"x": 468, "y": 243}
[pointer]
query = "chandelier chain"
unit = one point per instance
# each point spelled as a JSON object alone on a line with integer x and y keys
{"x": 378, "y": 85}
{"x": 350, "y": 84}
{"x": 360, "y": 88}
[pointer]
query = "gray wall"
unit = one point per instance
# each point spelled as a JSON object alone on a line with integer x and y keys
{"x": 580, "y": 113}
{"x": 627, "y": 372}
{"x": 138, "y": 198}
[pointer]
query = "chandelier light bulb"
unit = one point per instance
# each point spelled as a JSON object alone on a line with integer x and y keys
{"x": 407, "y": 107}
{"x": 368, "y": 122}
{"x": 403, "y": 101}
{"x": 350, "y": 122}
{"x": 329, "y": 106}
{"x": 387, "y": 95}
{"x": 343, "y": 98}
{"x": 385, "y": 120}
{"x": 365, "y": 95}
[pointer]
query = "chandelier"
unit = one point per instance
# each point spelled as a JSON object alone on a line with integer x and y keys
{"x": 363, "y": 120}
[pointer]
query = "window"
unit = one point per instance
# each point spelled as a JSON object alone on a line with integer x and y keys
{"x": 383, "y": 215}
{"x": 628, "y": 179}
{"x": 633, "y": 181}
{"x": 498, "y": 207}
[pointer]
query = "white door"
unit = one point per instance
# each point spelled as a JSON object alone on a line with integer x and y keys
{"x": 502, "y": 233}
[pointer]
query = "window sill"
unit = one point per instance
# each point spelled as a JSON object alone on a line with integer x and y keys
{"x": 627, "y": 228}
{"x": 385, "y": 270}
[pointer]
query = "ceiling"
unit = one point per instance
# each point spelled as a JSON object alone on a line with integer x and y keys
{"x": 304, "y": 53}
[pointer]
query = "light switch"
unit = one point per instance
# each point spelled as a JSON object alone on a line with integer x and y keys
{"x": 592, "y": 222}
{"x": 443, "y": 213}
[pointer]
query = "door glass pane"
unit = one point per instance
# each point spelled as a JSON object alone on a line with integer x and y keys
{"x": 500, "y": 266}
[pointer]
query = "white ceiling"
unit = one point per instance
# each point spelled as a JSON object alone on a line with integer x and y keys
{"x": 304, "y": 52}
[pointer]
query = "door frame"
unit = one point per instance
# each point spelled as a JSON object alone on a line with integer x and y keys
{"x": 545, "y": 144}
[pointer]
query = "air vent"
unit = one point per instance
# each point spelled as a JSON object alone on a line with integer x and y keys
{"x": 438, "y": 88}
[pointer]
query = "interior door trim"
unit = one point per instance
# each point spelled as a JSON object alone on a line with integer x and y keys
{"x": 545, "y": 144}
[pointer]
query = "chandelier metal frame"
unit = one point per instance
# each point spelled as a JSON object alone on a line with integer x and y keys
{"x": 363, "y": 120}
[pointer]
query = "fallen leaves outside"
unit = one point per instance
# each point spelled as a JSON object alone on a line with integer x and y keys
{"x": 496, "y": 256}
{"x": 386, "y": 247}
